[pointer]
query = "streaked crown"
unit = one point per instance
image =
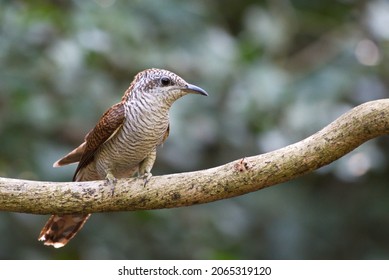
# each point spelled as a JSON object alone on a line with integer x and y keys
{"x": 159, "y": 78}
{"x": 154, "y": 81}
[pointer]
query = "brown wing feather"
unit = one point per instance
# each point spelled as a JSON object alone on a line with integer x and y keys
{"x": 72, "y": 157}
{"x": 107, "y": 126}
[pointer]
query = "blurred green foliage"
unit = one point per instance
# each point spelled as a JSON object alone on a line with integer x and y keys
{"x": 276, "y": 72}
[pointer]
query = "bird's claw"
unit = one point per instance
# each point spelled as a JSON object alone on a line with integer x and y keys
{"x": 146, "y": 177}
{"x": 111, "y": 181}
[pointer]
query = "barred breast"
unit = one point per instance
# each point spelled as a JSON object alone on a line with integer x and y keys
{"x": 142, "y": 131}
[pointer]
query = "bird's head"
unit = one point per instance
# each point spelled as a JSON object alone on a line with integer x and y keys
{"x": 160, "y": 85}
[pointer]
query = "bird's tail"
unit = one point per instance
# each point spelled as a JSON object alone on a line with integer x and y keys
{"x": 59, "y": 229}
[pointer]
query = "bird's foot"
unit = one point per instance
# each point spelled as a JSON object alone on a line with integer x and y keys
{"x": 111, "y": 181}
{"x": 146, "y": 177}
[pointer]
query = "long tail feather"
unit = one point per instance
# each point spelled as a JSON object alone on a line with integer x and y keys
{"x": 59, "y": 229}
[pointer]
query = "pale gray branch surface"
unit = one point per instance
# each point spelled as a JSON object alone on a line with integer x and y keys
{"x": 245, "y": 175}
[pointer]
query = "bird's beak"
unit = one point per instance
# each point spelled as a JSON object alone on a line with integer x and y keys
{"x": 195, "y": 89}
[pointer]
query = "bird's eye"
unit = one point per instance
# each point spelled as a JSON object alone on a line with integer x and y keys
{"x": 165, "y": 81}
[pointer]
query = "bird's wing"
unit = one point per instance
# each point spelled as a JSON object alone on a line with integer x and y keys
{"x": 109, "y": 124}
{"x": 72, "y": 157}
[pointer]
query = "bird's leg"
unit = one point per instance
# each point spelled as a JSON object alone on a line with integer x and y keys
{"x": 146, "y": 165}
{"x": 111, "y": 180}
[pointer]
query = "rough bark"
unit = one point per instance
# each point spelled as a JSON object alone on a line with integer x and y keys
{"x": 241, "y": 176}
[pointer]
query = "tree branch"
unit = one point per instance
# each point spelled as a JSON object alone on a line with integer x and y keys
{"x": 245, "y": 175}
